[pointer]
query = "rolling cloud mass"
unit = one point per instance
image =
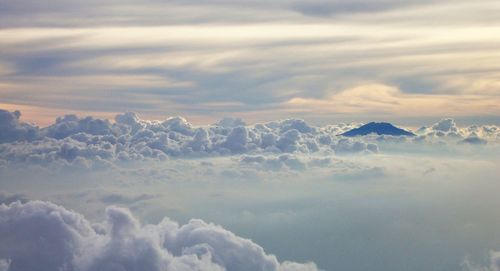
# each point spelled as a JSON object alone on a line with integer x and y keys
{"x": 90, "y": 142}
{"x": 256, "y": 135}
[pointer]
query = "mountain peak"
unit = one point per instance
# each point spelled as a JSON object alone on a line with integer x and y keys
{"x": 379, "y": 128}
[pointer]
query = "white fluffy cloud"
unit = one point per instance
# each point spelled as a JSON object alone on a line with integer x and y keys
{"x": 42, "y": 236}
{"x": 98, "y": 143}
{"x": 448, "y": 129}
{"x": 91, "y": 142}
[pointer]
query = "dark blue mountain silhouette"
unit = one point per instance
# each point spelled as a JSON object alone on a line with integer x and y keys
{"x": 379, "y": 128}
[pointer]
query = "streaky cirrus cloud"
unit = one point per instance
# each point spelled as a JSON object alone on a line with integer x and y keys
{"x": 192, "y": 57}
{"x": 387, "y": 100}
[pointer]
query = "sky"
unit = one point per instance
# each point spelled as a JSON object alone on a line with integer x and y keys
{"x": 211, "y": 135}
{"x": 323, "y": 61}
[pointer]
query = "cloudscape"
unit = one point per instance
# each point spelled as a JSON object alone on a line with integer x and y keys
{"x": 228, "y": 135}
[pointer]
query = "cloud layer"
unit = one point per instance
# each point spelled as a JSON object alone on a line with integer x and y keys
{"x": 77, "y": 140}
{"x": 43, "y": 236}
{"x": 191, "y": 57}
{"x": 98, "y": 143}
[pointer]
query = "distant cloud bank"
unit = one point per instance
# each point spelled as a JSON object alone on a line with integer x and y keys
{"x": 92, "y": 143}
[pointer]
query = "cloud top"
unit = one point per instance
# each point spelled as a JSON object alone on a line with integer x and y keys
{"x": 90, "y": 142}
{"x": 42, "y": 236}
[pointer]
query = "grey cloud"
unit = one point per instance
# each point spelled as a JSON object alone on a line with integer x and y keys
{"x": 343, "y": 7}
{"x": 229, "y": 122}
{"x": 11, "y": 129}
{"x": 9, "y": 198}
{"x": 495, "y": 261}
{"x": 274, "y": 163}
{"x": 284, "y": 161}
{"x": 72, "y": 125}
{"x": 93, "y": 12}
{"x": 115, "y": 198}
{"x": 43, "y": 236}
{"x": 346, "y": 145}
{"x": 474, "y": 140}
{"x": 255, "y": 74}
{"x": 445, "y": 125}
{"x": 4, "y": 265}
{"x": 370, "y": 173}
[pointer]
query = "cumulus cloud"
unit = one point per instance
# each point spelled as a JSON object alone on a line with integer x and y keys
{"x": 445, "y": 132}
{"x": 447, "y": 129}
{"x": 229, "y": 122}
{"x": 9, "y": 198}
{"x": 42, "y": 236}
{"x": 92, "y": 143}
{"x": 11, "y": 129}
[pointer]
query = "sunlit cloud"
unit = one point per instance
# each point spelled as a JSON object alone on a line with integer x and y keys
{"x": 262, "y": 56}
{"x": 268, "y": 118}
{"x": 378, "y": 99}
